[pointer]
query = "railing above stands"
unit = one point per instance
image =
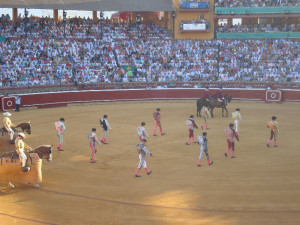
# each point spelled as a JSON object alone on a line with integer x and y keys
{"x": 275, "y": 35}
{"x": 256, "y": 10}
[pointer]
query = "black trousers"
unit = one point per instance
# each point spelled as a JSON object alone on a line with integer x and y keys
{"x": 17, "y": 107}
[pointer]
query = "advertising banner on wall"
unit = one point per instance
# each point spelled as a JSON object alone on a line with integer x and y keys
{"x": 194, "y": 5}
{"x": 194, "y": 26}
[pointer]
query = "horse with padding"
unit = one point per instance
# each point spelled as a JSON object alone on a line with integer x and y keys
{"x": 10, "y": 166}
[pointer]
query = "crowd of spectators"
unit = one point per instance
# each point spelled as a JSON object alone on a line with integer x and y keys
{"x": 79, "y": 28}
{"x": 258, "y": 28}
{"x": 43, "y": 57}
{"x": 256, "y": 3}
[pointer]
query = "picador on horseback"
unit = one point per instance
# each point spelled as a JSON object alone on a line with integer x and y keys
{"x": 20, "y": 148}
{"x": 204, "y": 101}
{"x": 219, "y": 95}
{"x": 206, "y": 95}
{"x": 7, "y": 124}
{"x": 215, "y": 101}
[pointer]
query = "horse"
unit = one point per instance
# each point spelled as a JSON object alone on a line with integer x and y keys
{"x": 10, "y": 166}
{"x": 200, "y": 103}
{"x": 25, "y": 126}
{"x": 214, "y": 103}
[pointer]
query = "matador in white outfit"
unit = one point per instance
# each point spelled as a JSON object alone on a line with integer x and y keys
{"x": 237, "y": 118}
{"x": 142, "y": 131}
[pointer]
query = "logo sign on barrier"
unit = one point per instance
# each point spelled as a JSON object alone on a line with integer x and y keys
{"x": 8, "y": 103}
{"x": 273, "y": 96}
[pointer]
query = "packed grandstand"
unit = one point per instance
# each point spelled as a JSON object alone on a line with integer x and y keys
{"x": 82, "y": 51}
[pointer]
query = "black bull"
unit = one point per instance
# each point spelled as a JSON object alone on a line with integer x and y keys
{"x": 213, "y": 103}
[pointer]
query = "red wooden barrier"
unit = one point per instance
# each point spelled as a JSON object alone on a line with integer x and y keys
{"x": 55, "y": 99}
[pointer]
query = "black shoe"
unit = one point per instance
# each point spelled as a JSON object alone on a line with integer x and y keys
{"x": 211, "y": 163}
{"x": 137, "y": 175}
{"x": 233, "y": 157}
{"x": 149, "y": 172}
{"x": 199, "y": 165}
{"x": 25, "y": 169}
{"x": 225, "y": 154}
{"x": 268, "y": 145}
{"x": 187, "y": 143}
{"x": 154, "y": 134}
{"x": 163, "y": 133}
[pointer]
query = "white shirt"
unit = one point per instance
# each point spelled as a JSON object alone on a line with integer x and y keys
{"x": 18, "y": 100}
{"x": 142, "y": 131}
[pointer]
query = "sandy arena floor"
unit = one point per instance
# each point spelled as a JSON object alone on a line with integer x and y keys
{"x": 260, "y": 186}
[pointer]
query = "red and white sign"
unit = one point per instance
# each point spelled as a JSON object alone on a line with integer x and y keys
{"x": 8, "y": 103}
{"x": 273, "y": 96}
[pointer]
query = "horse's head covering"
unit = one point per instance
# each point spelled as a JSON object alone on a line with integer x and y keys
{"x": 22, "y": 135}
{"x": 6, "y": 114}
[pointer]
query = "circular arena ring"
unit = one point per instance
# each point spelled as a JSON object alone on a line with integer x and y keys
{"x": 260, "y": 183}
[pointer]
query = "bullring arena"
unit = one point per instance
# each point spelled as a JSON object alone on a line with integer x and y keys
{"x": 260, "y": 186}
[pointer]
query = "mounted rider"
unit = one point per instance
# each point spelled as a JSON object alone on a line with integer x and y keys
{"x": 206, "y": 95}
{"x": 7, "y": 124}
{"x": 219, "y": 95}
{"x": 20, "y": 148}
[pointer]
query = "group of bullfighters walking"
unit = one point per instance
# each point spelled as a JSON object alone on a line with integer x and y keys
{"x": 92, "y": 137}
{"x": 141, "y": 148}
{"x": 230, "y": 133}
